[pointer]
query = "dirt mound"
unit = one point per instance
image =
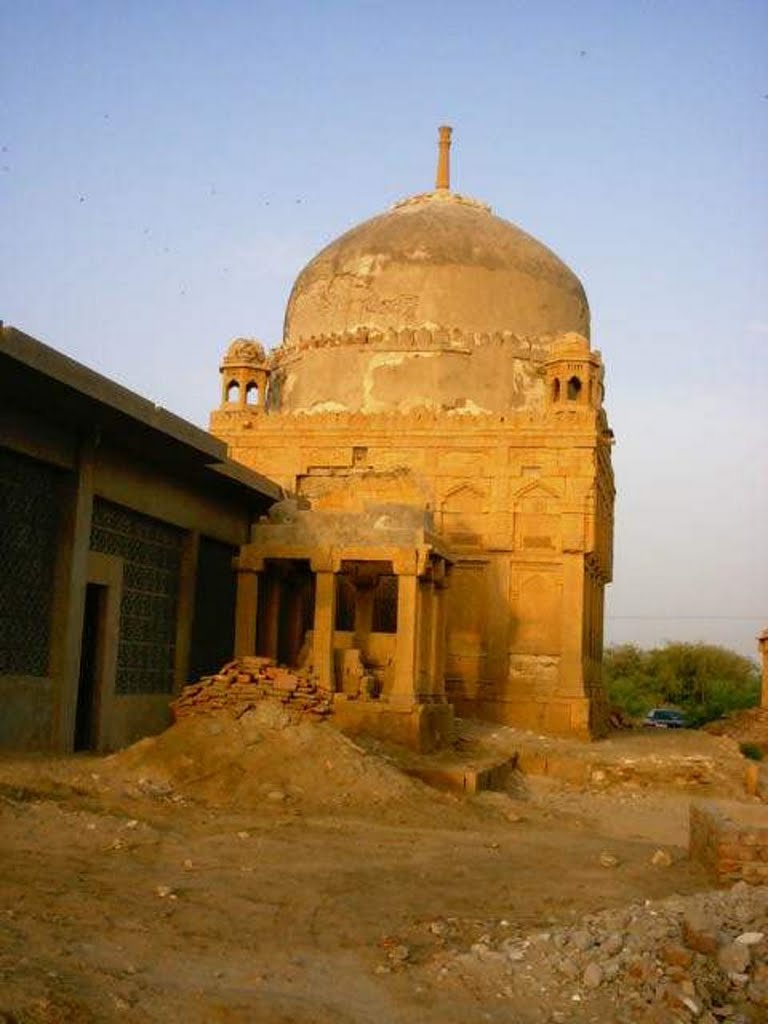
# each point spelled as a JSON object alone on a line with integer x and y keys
{"x": 269, "y": 755}
{"x": 748, "y": 726}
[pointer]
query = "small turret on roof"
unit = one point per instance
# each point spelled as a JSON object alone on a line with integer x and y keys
{"x": 244, "y": 375}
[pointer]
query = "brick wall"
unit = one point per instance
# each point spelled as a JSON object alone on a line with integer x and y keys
{"x": 730, "y": 840}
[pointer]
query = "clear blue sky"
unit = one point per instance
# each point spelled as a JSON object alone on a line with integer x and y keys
{"x": 167, "y": 167}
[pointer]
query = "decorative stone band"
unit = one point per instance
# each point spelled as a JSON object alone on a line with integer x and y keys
{"x": 589, "y": 421}
{"x": 441, "y": 196}
{"x": 423, "y": 339}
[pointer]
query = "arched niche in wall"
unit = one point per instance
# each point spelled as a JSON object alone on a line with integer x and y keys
{"x": 537, "y": 619}
{"x": 537, "y": 523}
{"x": 462, "y": 514}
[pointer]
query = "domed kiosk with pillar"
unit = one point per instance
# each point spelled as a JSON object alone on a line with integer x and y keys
{"x": 244, "y": 374}
{"x": 436, "y": 382}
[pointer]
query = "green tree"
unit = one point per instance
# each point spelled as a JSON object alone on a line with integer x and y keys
{"x": 704, "y": 680}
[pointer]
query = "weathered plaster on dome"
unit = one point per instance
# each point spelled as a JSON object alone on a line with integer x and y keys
{"x": 439, "y": 261}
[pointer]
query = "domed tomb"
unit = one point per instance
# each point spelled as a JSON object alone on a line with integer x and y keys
{"x": 406, "y": 331}
{"x": 436, "y": 304}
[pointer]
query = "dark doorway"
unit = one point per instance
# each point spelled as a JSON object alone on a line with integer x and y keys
{"x": 297, "y": 612}
{"x": 213, "y": 632}
{"x": 91, "y": 646}
{"x": 286, "y": 609}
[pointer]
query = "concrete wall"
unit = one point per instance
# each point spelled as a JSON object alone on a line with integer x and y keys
{"x": 27, "y": 710}
{"x": 39, "y": 713}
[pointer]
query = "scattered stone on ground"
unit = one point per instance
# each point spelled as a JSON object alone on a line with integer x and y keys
{"x": 260, "y": 866}
{"x": 695, "y": 958}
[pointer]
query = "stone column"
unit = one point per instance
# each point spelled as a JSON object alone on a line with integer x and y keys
{"x": 407, "y": 643}
{"x": 293, "y": 619}
{"x": 325, "y": 619}
{"x": 272, "y": 599}
{"x": 425, "y": 667}
{"x": 762, "y": 643}
{"x": 69, "y": 596}
{"x": 438, "y": 633}
{"x": 246, "y": 609}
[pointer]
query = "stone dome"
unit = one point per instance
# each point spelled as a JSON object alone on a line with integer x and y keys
{"x": 244, "y": 352}
{"x": 440, "y": 262}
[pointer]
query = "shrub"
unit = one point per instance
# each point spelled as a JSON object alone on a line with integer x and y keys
{"x": 752, "y": 751}
{"x": 705, "y": 681}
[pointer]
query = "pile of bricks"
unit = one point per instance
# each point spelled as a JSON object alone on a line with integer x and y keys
{"x": 730, "y": 840}
{"x": 239, "y": 685}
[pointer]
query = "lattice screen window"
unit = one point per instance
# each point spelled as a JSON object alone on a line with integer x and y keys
{"x": 151, "y": 551}
{"x": 30, "y": 503}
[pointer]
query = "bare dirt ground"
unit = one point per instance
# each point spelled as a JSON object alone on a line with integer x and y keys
{"x": 269, "y": 870}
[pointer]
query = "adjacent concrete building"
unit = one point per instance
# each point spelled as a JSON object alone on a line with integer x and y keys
{"x": 118, "y": 526}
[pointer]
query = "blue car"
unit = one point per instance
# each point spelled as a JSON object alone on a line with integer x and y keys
{"x": 665, "y": 718}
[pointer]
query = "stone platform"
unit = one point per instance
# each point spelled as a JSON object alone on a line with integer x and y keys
{"x": 467, "y": 778}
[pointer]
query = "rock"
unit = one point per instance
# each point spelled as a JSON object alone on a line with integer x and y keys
{"x": 675, "y": 996}
{"x": 641, "y": 969}
{"x": 700, "y": 933}
{"x": 399, "y": 954}
{"x": 749, "y": 938}
{"x": 592, "y": 976}
{"x": 734, "y": 957}
{"x": 568, "y": 967}
{"x": 677, "y": 956}
{"x": 276, "y": 795}
{"x": 611, "y": 968}
{"x": 661, "y": 859}
{"x": 757, "y": 992}
{"x": 692, "y": 1004}
{"x": 581, "y": 939}
{"x": 608, "y": 860}
{"x": 613, "y": 944}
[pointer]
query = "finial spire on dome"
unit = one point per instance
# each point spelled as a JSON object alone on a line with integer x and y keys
{"x": 443, "y": 178}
